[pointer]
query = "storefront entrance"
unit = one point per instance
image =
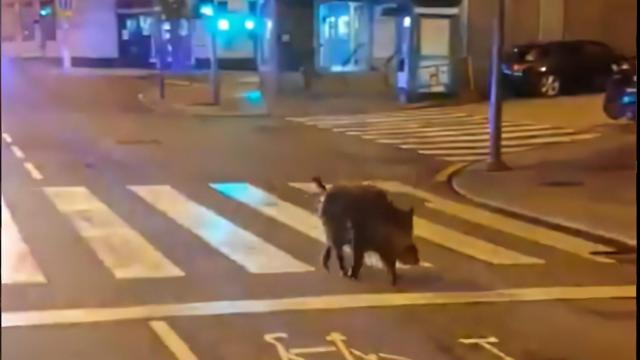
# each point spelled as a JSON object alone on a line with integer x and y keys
{"x": 135, "y": 45}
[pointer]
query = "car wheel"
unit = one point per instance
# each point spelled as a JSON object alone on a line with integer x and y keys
{"x": 549, "y": 85}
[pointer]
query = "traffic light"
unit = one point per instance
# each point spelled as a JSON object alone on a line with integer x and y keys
{"x": 46, "y": 8}
{"x": 249, "y": 24}
{"x": 205, "y": 8}
{"x": 173, "y": 9}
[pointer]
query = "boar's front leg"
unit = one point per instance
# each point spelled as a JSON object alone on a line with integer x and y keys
{"x": 390, "y": 263}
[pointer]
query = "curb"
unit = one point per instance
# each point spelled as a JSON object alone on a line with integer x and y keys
{"x": 528, "y": 215}
{"x": 195, "y": 112}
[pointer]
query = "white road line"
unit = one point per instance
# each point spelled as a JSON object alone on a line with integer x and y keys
{"x": 327, "y": 302}
{"x": 471, "y": 151}
{"x": 392, "y": 114}
{"x": 284, "y": 212}
{"x": 431, "y": 126}
{"x": 392, "y": 123}
{"x": 436, "y": 120}
{"x": 18, "y": 265}
{"x": 538, "y": 234}
{"x": 469, "y": 245}
{"x": 172, "y": 341}
{"x": 430, "y": 132}
{"x": 484, "y": 144}
{"x": 33, "y": 171}
{"x": 120, "y": 248}
{"x": 249, "y": 251}
{"x": 17, "y": 152}
{"x": 424, "y": 138}
{"x": 7, "y": 138}
{"x": 460, "y": 242}
{"x": 375, "y": 119}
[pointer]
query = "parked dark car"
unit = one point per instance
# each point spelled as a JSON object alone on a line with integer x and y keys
{"x": 620, "y": 98}
{"x": 559, "y": 67}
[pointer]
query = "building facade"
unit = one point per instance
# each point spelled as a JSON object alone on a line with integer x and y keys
{"x": 332, "y": 46}
{"x": 108, "y": 33}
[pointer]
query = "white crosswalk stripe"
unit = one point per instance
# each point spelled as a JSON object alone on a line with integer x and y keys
{"x": 123, "y": 250}
{"x": 128, "y": 255}
{"x": 18, "y": 265}
{"x": 249, "y": 251}
{"x": 435, "y": 132}
{"x": 448, "y": 134}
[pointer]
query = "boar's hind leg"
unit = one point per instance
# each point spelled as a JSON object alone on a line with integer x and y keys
{"x": 336, "y": 238}
{"x": 358, "y": 257}
{"x": 326, "y": 256}
{"x": 340, "y": 257}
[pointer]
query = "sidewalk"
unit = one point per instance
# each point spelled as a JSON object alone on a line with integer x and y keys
{"x": 192, "y": 95}
{"x": 589, "y": 186}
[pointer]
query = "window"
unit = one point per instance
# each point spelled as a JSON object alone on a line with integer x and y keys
{"x": 343, "y": 36}
{"x": 145, "y": 24}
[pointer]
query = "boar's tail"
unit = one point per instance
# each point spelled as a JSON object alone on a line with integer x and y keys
{"x": 321, "y": 186}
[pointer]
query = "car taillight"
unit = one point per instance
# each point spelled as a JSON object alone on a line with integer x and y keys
{"x": 518, "y": 67}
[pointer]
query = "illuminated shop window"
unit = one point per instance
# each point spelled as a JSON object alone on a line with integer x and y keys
{"x": 343, "y": 31}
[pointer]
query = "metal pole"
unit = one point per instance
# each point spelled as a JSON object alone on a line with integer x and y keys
{"x": 495, "y": 106}
{"x": 66, "y": 55}
{"x": 214, "y": 76}
{"x": 160, "y": 54}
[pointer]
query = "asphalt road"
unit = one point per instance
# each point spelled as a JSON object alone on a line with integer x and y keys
{"x": 138, "y": 235}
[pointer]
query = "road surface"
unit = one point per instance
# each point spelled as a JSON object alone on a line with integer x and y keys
{"x": 128, "y": 234}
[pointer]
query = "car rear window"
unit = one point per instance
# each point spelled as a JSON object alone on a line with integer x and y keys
{"x": 527, "y": 54}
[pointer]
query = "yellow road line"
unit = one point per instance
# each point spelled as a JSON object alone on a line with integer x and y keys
{"x": 327, "y": 302}
{"x": 445, "y": 173}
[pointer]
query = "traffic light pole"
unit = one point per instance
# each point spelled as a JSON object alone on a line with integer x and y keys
{"x": 160, "y": 56}
{"x": 214, "y": 75}
{"x": 66, "y": 55}
{"x": 495, "y": 105}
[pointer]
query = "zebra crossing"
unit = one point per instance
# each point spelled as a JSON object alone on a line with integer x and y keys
{"x": 127, "y": 254}
{"x": 447, "y": 134}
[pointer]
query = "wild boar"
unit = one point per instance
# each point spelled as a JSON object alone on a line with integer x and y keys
{"x": 363, "y": 217}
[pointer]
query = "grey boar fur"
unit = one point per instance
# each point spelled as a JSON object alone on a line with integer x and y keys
{"x": 363, "y": 217}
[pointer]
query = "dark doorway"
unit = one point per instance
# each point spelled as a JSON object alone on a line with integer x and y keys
{"x": 134, "y": 40}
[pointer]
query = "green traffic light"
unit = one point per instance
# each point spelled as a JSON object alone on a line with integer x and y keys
{"x": 206, "y": 9}
{"x": 45, "y": 11}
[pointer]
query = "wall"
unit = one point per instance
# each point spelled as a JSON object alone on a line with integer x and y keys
{"x": 479, "y": 32}
{"x": 10, "y": 22}
{"x": 94, "y": 30}
{"x": 611, "y": 21}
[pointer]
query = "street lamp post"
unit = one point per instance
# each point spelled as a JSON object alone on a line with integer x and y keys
{"x": 214, "y": 75}
{"x": 495, "y": 105}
